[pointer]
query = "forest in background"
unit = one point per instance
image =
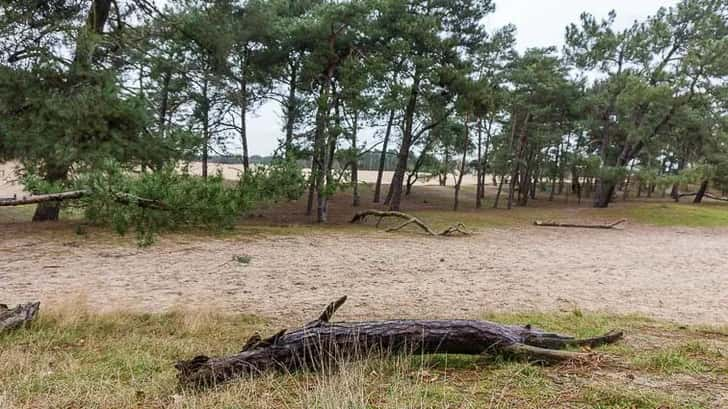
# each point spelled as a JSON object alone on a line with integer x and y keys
{"x": 107, "y": 97}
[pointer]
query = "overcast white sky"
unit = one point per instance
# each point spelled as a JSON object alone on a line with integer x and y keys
{"x": 540, "y": 23}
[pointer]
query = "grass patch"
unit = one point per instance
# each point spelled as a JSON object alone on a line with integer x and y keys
{"x": 71, "y": 358}
{"x": 675, "y": 214}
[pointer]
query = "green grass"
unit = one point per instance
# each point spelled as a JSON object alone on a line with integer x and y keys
{"x": 70, "y": 358}
{"x": 675, "y": 214}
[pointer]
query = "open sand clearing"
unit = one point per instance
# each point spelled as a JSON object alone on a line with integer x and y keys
{"x": 676, "y": 274}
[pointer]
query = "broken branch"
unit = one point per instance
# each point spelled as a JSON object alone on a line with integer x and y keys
{"x": 579, "y": 226}
{"x": 708, "y": 195}
{"x": 17, "y": 317}
{"x": 408, "y": 220}
{"x": 123, "y": 198}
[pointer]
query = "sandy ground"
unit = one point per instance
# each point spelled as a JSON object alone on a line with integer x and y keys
{"x": 674, "y": 274}
{"x": 365, "y": 176}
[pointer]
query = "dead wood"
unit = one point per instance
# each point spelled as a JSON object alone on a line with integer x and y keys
{"x": 35, "y": 199}
{"x": 123, "y": 198}
{"x": 408, "y": 220}
{"x": 580, "y": 226}
{"x": 708, "y": 195}
{"x": 322, "y": 344}
{"x": 17, "y": 317}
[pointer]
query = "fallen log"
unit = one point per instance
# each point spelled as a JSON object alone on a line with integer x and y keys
{"x": 35, "y": 199}
{"x": 122, "y": 198}
{"x": 579, "y": 226}
{"x": 408, "y": 220}
{"x": 17, "y": 317}
{"x": 708, "y": 195}
{"x": 322, "y": 344}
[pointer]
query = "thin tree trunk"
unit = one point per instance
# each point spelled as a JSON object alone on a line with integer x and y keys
{"x": 205, "y": 129}
{"x": 625, "y": 193}
{"x": 291, "y": 107}
{"x": 244, "y": 108}
{"x": 463, "y": 163}
{"x": 479, "y": 176}
{"x": 523, "y": 140}
{"x": 553, "y": 180}
{"x": 320, "y": 156}
{"x": 701, "y": 192}
{"x": 486, "y": 158}
{"x": 498, "y": 194}
{"x": 383, "y": 157}
{"x": 244, "y": 139}
{"x": 404, "y": 149}
{"x": 311, "y": 188}
{"x": 355, "y": 162}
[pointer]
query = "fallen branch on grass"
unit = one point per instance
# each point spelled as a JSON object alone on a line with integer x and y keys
{"x": 17, "y": 317}
{"x": 321, "y": 344}
{"x": 408, "y": 220}
{"x": 708, "y": 195}
{"x": 123, "y": 198}
{"x": 34, "y": 199}
{"x": 580, "y": 226}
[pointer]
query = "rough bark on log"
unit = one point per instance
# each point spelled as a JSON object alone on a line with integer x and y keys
{"x": 408, "y": 220}
{"x": 322, "y": 344}
{"x": 17, "y": 317}
{"x": 580, "y": 226}
{"x": 123, "y": 198}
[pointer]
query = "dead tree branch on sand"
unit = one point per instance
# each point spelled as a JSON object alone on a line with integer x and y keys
{"x": 708, "y": 195}
{"x": 17, "y": 317}
{"x": 322, "y": 344}
{"x": 123, "y": 198}
{"x": 408, "y": 220}
{"x": 580, "y": 226}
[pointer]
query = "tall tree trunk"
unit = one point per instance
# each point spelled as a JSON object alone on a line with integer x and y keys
{"x": 605, "y": 188}
{"x": 244, "y": 108}
{"x": 701, "y": 192}
{"x": 625, "y": 193}
{"x": 244, "y": 139}
{"x": 291, "y": 107}
{"x": 311, "y": 188}
{"x": 383, "y": 157}
{"x": 675, "y": 192}
{"x": 86, "y": 43}
{"x": 355, "y": 162}
{"x": 500, "y": 190}
{"x": 205, "y": 129}
{"x": 404, "y": 149}
{"x": 164, "y": 105}
{"x": 320, "y": 155}
{"x": 479, "y": 176}
{"x": 445, "y": 166}
{"x": 486, "y": 158}
{"x": 463, "y": 163}
{"x": 50, "y": 211}
{"x": 523, "y": 140}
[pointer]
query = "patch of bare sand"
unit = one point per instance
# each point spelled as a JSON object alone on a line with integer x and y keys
{"x": 674, "y": 274}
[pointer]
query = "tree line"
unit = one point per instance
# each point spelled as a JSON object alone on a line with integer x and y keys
{"x": 87, "y": 82}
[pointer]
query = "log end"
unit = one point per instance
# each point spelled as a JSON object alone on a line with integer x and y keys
{"x": 17, "y": 317}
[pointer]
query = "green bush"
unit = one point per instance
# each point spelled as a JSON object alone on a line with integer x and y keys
{"x": 185, "y": 200}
